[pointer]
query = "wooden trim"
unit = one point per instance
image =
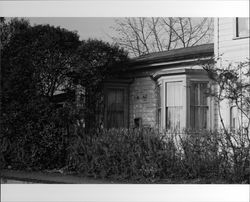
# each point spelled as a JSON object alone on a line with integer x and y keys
{"x": 118, "y": 81}
{"x": 170, "y": 72}
{"x": 196, "y": 60}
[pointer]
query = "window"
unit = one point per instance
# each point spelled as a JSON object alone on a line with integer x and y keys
{"x": 233, "y": 118}
{"x": 198, "y": 106}
{"x": 185, "y": 103}
{"x": 242, "y": 27}
{"x": 174, "y": 105}
{"x": 115, "y": 108}
{"x": 159, "y": 88}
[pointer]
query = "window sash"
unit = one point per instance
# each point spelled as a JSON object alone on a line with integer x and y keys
{"x": 198, "y": 106}
{"x": 159, "y": 111}
{"x": 242, "y": 27}
{"x": 174, "y": 105}
{"x": 115, "y": 108}
{"x": 173, "y": 117}
{"x": 233, "y": 118}
{"x": 198, "y": 117}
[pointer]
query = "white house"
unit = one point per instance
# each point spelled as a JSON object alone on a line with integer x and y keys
{"x": 231, "y": 44}
{"x": 165, "y": 90}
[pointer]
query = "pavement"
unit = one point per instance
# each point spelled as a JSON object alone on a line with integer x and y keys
{"x": 48, "y": 178}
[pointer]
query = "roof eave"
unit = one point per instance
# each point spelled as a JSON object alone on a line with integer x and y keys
{"x": 196, "y": 60}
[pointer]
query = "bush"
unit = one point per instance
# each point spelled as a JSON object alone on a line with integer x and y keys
{"x": 147, "y": 155}
{"x": 121, "y": 154}
{"x": 35, "y": 137}
{"x": 216, "y": 155}
{"x": 50, "y": 139}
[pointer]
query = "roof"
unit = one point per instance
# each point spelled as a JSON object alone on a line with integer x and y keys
{"x": 180, "y": 54}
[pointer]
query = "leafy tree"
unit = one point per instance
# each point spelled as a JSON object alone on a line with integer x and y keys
{"x": 35, "y": 64}
{"x": 97, "y": 61}
{"x": 36, "y": 61}
{"x": 11, "y": 27}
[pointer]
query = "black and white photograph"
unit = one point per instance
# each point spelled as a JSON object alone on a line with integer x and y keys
{"x": 125, "y": 100}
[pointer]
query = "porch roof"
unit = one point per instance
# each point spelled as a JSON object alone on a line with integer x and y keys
{"x": 175, "y": 56}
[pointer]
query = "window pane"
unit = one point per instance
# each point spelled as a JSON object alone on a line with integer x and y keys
{"x": 173, "y": 105}
{"x": 203, "y": 120}
{"x": 242, "y": 27}
{"x": 159, "y": 88}
{"x": 233, "y": 117}
{"x": 115, "y": 108}
{"x": 173, "y": 118}
{"x": 159, "y": 118}
{"x": 203, "y": 95}
{"x": 194, "y": 94}
{"x": 174, "y": 94}
{"x": 198, "y": 106}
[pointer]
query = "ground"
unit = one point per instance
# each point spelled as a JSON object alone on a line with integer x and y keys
{"x": 45, "y": 177}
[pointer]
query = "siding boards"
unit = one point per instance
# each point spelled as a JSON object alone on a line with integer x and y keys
{"x": 231, "y": 48}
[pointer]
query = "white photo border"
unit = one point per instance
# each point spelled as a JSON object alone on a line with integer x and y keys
{"x": 124, "y": 8}
{"x": 125, "y": 193}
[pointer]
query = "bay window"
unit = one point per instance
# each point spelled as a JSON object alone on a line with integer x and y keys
{"x": 185, "y": 103}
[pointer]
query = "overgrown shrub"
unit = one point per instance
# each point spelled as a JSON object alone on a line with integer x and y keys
{"x": 121, "y": 154}
{"x": 36, "y": 136}
{"x": 147, "y": 155}
{"x": 142, "y": 155}
{"x": 215, "y": 154}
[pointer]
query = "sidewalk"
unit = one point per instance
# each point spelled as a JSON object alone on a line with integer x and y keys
{"x": 49, "y": 178}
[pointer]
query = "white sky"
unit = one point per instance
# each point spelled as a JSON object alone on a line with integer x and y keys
{"x": 94, "y": 27}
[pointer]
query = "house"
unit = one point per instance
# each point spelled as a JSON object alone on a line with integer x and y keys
{"x": 231, "y": 44}
{"x": 166, "y": 90}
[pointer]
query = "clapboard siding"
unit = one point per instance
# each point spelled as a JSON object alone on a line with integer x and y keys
{"x": 231, "y": 48}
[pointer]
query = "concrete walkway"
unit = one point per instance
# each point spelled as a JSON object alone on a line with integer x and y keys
{"x": 12, "y": 176}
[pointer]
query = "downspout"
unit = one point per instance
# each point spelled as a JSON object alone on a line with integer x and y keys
{"x": 218, "y": 50}
{"x": 218, "y": 64}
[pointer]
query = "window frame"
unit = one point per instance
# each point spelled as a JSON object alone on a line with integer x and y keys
{"x": 185, "y": 83}
{"x": 233, "y": 114}
{"x": 199, "y": 103}
{"x": 159, "y": 106}
{"x": 163, "y": 81}
{"x": 169, "y": 107}
{"x": 236, "y": 34}
{"x": 125, "y": 89}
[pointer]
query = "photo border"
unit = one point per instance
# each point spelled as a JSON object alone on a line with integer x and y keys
{"x": 124, "y": 193}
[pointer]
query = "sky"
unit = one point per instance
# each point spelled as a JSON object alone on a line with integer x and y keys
{"x": 97, "y": 28}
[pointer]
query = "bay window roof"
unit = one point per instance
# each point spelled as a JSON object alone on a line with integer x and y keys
{"x": 175, "y": 56}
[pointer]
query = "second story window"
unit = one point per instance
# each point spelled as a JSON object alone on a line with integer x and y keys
{"x": 242, "y": 27}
